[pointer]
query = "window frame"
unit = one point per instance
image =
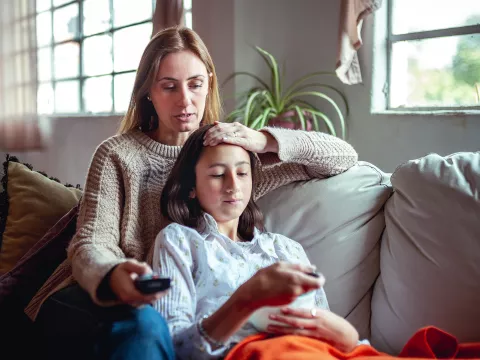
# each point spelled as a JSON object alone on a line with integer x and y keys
{"x": 81, "y": 78}
{"x": 188, "y": 13}
{"x": 420, "y": 35}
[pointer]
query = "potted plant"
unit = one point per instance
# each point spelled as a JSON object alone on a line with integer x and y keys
{"x": 273, "y": 105}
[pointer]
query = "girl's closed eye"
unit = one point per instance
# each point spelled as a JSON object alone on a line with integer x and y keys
{"x": 216, "y": 176}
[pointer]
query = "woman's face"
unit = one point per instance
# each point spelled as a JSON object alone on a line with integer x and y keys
{"x": 223, "y": 181}
{"x": 179, "y": 92}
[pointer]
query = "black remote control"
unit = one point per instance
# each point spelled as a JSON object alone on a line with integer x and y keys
{"x": 151, "y": 283}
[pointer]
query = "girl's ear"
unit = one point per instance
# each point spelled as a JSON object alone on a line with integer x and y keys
{"x": 192, "y": 194}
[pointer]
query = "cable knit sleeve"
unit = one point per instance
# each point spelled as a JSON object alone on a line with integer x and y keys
{"x": 94, "y": 249}
{"x": 323, "y": 154}
{"x": 302, "y": 155}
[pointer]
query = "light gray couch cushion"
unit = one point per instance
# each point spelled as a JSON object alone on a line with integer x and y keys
{"x": 430, "y": 252}
{"x": 339, "y": 222}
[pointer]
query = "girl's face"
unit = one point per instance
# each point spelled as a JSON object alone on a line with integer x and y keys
{"x": 179, "y": 92}
{"x": 223, "y": 181}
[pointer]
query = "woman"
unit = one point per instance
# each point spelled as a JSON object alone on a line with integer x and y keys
{"x": 224, "y": 265}
{"x": 175, "y": 91}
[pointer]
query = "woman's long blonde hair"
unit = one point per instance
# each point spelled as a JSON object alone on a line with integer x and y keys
{"x": 141, "y": 113}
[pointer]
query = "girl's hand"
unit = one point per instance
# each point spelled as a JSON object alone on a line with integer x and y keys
{"x": 316, "y": 323}
{"x": 238, "y": 134}
{"x": 277, "y": 284}
{"x": 122, "y": 283}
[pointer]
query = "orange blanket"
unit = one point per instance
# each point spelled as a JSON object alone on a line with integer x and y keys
{"x": 429, "y": 342}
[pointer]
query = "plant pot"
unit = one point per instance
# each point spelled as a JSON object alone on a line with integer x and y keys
{"x": 289, "y": 120}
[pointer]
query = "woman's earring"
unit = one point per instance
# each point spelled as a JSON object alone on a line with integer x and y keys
{"x": 149, "y": 98}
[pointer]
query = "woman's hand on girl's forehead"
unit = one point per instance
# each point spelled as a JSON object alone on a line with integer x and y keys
{"x": 238, "y": 134}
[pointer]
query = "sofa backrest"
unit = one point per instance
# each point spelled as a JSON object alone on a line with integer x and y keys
{"x": 339, "y": 222}
{"x": 430, "y": 254}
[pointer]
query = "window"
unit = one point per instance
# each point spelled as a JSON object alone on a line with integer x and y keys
{"x": 433, "y": 54}
{"x": 187, "y": 12}
{"x": 88, "y": 51}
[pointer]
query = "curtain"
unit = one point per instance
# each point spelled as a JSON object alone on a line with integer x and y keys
{"x": 20, "y": 128}
{"x": 352, "y": 13}
{"x": 167, "y": 13}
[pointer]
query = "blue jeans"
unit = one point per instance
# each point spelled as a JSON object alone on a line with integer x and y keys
{"x": 72, "y": 326}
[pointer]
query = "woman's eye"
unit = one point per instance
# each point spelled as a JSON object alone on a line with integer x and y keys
{"x": 242, "y": 174}
{"x": 217, "y": 176}
{"x": 196, "y": 85}
{"x": 169, "y": 88}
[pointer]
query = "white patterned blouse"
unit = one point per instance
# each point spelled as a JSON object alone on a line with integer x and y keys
{"x": 206, "y": 267}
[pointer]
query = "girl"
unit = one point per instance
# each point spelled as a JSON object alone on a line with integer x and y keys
{"x": 222, "y": 262}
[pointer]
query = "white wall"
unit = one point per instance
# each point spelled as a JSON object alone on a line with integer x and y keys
{"x": 73, "y": 142}
{"x": 303, "y": 33}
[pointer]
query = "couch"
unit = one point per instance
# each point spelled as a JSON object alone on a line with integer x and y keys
{"x": 399, "y": 251}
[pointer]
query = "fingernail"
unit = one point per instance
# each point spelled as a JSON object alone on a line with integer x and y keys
{"x": 321, "y": 280}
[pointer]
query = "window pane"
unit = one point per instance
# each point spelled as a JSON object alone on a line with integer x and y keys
{"x": 129, "y": 12}
{"x": 96, "y": 16}
{"x": 188, "y": 20}
{"x": 97, "y": 94}
{"x": 413, "y": 15}
{"x": 65, "y": 21}
{"x": 187, "y": 4}
{"x": 128, "y": 46}
{"x": 436, "y": 72}
{"x": 43, "y": 5}
{"x": 66, "y": 60}
{"x": 45, "y": 99}
{"x": 44, "y": 29}
{"x": 123, "y": 91}
{"x": 44, "y": 64}
{"x": 97, "y": 55}
{"x": 67, "y": 97}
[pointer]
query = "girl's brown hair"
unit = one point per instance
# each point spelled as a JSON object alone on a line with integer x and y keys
{"x": 176, "y": 204}
{"x": 141, "y": 113}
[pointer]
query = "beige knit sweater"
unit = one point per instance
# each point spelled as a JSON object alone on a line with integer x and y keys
{"x": 119, "y": 215}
